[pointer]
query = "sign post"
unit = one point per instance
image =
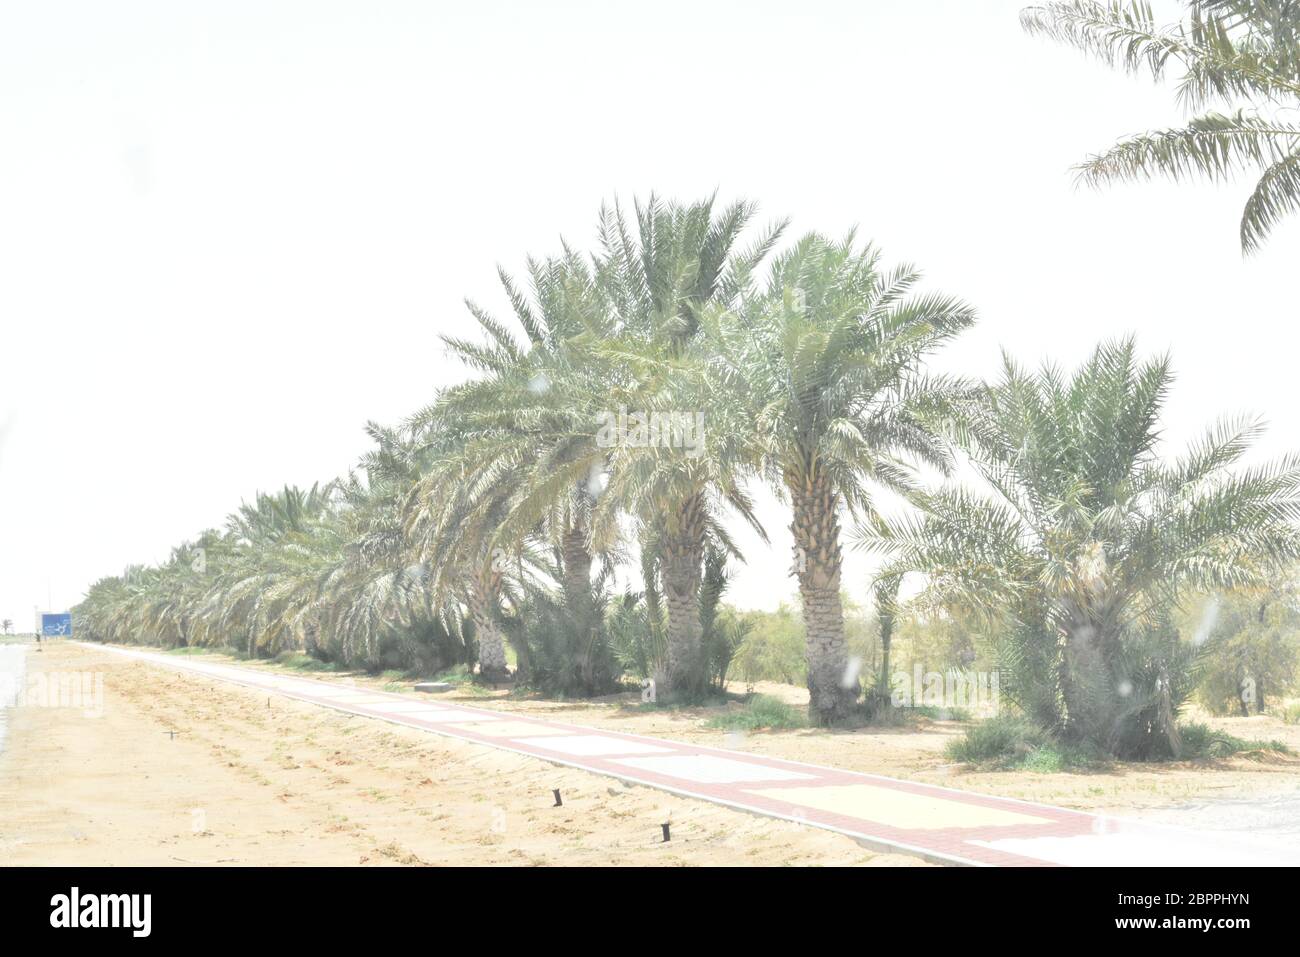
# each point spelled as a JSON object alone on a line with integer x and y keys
{"x": 56, "y": 626}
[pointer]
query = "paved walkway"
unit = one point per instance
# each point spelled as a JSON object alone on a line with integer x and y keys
{"x": 936, "y": 823}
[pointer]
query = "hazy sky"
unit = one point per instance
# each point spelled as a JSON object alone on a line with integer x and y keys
{"x": 230, "y": 233}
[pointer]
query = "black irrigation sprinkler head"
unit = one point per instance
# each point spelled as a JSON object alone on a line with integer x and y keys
{"x": 558, "y": 801}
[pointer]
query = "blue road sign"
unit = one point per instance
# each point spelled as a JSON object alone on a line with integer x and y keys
{"x": 56, "y": 626}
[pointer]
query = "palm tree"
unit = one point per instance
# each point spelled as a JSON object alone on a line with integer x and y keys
{"x": 820, "y": 373}
{"x": 528, "y": 419}
{"x": 321, "y": 570}
{"x": 264, "y": 593}
{"x": 674, "y": 473}
{"x": 368, "y": 594}
{"x": 451, "y": 514}
{"x": 886, "y": 598}
{"x": 682, "y": 257}
{"x": 1086, "y": 541}
{"x": 1242, "y": 55}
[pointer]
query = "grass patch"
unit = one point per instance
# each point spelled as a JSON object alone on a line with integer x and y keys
{"x": 935, "y": 713}
{"x": 456, "y": 675}
{"x": 463, "y": 679}
{"x": 300, "y": 662}
{"x": 196, "y": 650}
{"x": 1202, "y": 742}
{"x": 760, "y": 712}
{"x": 671, "y": 702}
{"x": 1001, "y": 740}
{"x": 1052, "y": 758}
{"x": 1013, "y": 743}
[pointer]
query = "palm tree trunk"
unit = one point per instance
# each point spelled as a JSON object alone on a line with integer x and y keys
{"x": 578, "y": 600}
{"x": 1082, "y": 685}
{"x": 1092, "y": 675}
{"x": 682, "y": 550}
{"x": 833, "y": 694}
{"x": 886, "y": 593}
{"x": 513, "y": 630}
{"x": 577, "y": 578}
{"x": 886, "y": 643}
{"x": 482, "y": 601}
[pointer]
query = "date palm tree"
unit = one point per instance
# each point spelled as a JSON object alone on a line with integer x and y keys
{"x": 820, "y": 374}
{"x": 450, "y": 515}
{"x": 529, "y": 419}
{"x": 1242, "y": 56}
{"x": 1084, "y": 540}
{"x": 367, "y": 592}
{"x": 679, "y": 259}
{"x": 275, "y": 544}
{"x": 322, "y": 570}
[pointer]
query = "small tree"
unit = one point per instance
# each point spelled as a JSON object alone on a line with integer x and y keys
{"x": 1254, "y": 639}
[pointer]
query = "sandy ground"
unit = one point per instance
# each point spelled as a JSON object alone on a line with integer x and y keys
{"x": 291, "y": 783}
{"x": 247, "y": 781}
{"x": 915, "y": 751}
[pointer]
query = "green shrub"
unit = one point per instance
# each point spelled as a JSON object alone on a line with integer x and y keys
{"x": 1202, "y": 742}
{"x": 635, "y": 628}
{"x": 300, "y": 662}
{"x": 1255, "y": 639}
{"x": 1012, "y": 742}
{"x": 940, "y": 714}
{"x": 761, "y": 711}
{"x": 1003, "y": 740}
{"x": 773, "y": 648}
{"x": 204, "y": 650}
{"x": 561, "y": 661}
{"x": 1053, "y": 757}
{"x": 421, "y": 648}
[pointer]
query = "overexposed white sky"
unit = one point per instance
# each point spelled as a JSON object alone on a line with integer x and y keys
{"x": 230, "y": 233}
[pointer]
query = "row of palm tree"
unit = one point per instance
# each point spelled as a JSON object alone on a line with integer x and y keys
{"x": 504, "y": 484}
{"x": 494, "y": 520}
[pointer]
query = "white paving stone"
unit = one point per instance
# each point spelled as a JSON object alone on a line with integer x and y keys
{"x": 406, "y": 707}
{"x": 706, "y": 769}
{"x": 591, "y": 745}
{"x": 444, "y": 717}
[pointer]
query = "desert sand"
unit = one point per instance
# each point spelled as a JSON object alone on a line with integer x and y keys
{"x": 247, "y": 781}
{"x": 915, "y": 749}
